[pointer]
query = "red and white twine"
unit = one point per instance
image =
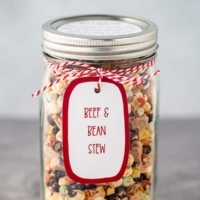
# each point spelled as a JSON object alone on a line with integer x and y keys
{"x": 62, "y": 72}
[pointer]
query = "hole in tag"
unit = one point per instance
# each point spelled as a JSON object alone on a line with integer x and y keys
{"x": 97, "y": 90}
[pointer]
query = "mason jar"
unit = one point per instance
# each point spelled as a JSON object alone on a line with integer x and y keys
{"x": 99, "y": 108}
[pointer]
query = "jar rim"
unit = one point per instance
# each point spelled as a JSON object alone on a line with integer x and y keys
{"x": 132, "y": 37}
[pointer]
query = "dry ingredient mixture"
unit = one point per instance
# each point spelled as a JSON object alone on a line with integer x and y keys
{"x": 136, "y": 181}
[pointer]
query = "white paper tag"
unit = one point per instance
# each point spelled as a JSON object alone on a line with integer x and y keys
{"x": 95, "y": 131}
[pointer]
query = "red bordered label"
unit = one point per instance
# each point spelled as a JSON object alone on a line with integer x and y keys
{"x": 95, "y": 131}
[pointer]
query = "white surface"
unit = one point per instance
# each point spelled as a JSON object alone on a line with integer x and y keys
{"x": 109, "y": 97}
{"x": 21, "y": 59}
{"x": 99, "y": 28}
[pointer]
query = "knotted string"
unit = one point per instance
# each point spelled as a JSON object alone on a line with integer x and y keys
{"x": 63, "y": 71}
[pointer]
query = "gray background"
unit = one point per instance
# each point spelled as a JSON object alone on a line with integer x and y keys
{"x": 21, "y": 65}
{"x": 21, "y": 59}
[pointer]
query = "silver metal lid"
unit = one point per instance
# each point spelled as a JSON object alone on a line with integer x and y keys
{"x": 99, "y": 37}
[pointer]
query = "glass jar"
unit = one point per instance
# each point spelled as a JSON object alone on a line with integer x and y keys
{"x": 103, "y": 50}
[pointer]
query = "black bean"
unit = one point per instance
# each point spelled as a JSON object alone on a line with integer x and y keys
{"x": 71, "y": 193}
{"x": 150, "y": 116}
{"x": 143, "y": 74}
{"x": 120, "y": 191}
{"x": 143, "y": 177}
{"x": 145, "y": 82}
{"x": 52, "y": 79}
{"x": 51, "y": 120}
{"x": 124, "y": 195}
{"x": 136, "y": 180}
{"x": 80, "y": 187}
{"x": 146, "y": 149}
{"x": 133, "y": 135}
{"x": 52, "y": 180}
{"x": 55, "y": 130}
{"x": 134, "y": 164}
{"x": 131, "y": 114}
{"x": 55, "y": 187}
{"x": 72, "y": 186}
{"x": 59, "y": 174}
{"x": 90, "y": 186}
{"x": 111, "y": 197}
{"x": 57, "y": 146}
{"x": 132, "y": 131}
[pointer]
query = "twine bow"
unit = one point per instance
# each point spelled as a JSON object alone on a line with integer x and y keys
{"x": 63, "y": 71}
